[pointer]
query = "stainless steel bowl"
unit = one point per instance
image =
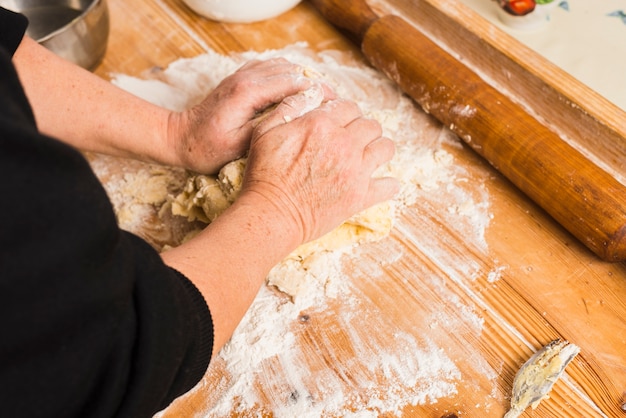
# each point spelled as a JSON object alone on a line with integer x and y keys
{"x": 77, "y": 30}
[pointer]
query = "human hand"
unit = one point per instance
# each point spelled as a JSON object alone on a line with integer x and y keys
{"x": 309, "y": 168}
{"x": 315, "y": 166}
{"x": 218, "y": 130}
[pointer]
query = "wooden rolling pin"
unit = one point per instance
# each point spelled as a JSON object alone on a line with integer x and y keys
{"x": 583, "y": 198}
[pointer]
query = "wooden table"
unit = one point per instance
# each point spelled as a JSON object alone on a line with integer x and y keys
{"x": 548, "y": 284}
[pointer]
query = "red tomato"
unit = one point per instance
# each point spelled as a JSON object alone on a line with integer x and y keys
{"x": 518, "y": 7}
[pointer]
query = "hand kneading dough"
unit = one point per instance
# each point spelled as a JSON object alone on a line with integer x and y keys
{"x": 204, "y": 198}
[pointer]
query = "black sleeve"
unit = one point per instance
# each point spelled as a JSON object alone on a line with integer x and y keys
{"x": 93, "y": 323}
{"x": 12, "y": 28}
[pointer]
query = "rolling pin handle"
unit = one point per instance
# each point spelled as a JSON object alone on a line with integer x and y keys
{"x": 351, "y": 16}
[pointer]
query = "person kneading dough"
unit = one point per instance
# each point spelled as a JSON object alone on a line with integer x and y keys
{"x": 95, "y": 321}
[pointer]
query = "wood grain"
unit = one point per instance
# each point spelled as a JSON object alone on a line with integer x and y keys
{"x": 550, "y": 285}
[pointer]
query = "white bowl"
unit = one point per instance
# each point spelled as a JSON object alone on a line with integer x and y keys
{"x": 240, "y": 11}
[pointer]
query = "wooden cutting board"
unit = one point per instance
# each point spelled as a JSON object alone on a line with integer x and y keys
{"x": 533, "y": 283}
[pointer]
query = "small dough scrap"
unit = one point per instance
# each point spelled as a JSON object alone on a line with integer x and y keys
{"x": 534, "y": 380}
{"x": 289, "y": 277}
{"x": 204, "y": 197}
{"x": 230, "y": 178}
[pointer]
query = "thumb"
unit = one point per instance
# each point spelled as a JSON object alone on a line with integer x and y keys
{"x": 292, "y": 107}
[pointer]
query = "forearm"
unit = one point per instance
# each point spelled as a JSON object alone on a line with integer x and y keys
{"x": 229, "y": 260}
{"x": 89, "y": 113}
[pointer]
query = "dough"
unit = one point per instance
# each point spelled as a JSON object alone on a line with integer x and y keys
{"x": 204, "y": 198}
{"x": 370, "y": 225}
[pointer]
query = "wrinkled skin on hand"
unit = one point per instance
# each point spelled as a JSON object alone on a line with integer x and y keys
{"x": 316, "y": 166}
{"x": 218, "y": 130}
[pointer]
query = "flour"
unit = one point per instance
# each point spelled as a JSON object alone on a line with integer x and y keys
{"x": 271, "y": 359}
{"x": 138, "y": 192}
{"x": 495, "y": 274}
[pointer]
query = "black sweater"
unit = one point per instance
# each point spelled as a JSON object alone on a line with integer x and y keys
{"x": 93, "y": 323}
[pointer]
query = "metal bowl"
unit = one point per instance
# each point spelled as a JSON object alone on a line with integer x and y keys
{"x": 77, "y": 30}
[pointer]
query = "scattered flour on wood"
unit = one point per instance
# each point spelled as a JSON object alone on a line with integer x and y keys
{"x": 266, "y": 361}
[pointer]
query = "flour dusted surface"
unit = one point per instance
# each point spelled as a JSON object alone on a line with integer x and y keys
{"x": 346, "y": 346}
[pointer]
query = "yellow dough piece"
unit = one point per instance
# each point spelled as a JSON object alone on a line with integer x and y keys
{"x": 535, "y": 378}
{"x": 204, "y": 198}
